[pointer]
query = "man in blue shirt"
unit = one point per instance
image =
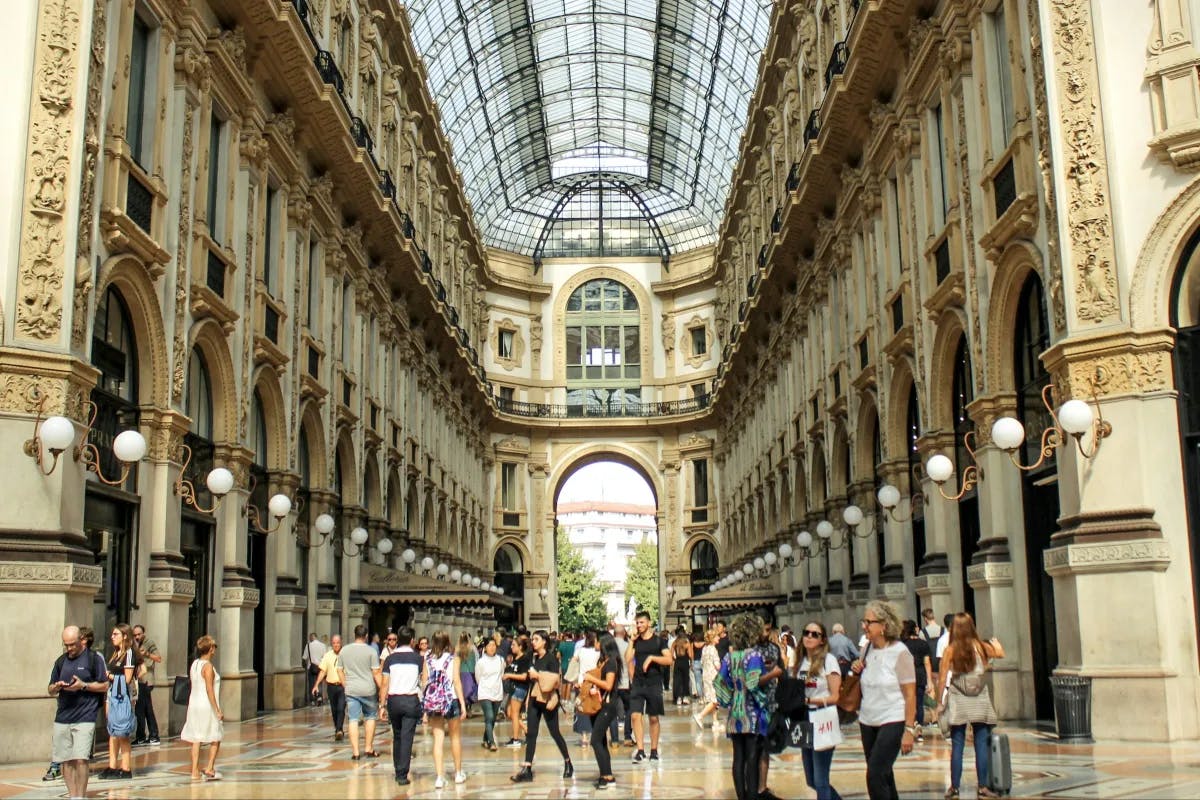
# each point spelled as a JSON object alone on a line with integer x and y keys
{"x": 78, "y": 679}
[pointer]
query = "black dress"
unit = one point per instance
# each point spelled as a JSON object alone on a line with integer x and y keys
{"x": 681, "y": 680}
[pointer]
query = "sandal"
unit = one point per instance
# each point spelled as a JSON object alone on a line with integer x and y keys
{"x": 371, "y": 754}
{"x": 210, "y": 776}
{"x": 355, "y": 757}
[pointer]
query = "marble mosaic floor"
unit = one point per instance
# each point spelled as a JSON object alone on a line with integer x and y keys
{"x": 293, "y": 755}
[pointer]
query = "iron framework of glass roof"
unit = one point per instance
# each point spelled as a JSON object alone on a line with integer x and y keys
{"x": 627, "y": 113}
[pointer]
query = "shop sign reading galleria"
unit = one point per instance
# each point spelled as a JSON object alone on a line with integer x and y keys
{"x": 756, "y": 592}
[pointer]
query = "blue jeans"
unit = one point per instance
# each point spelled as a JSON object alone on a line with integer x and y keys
{"x": 958, "y": 741}
{"x": 816, "y": 773}
{"x": 698, "y": 676}
{"x": 489, "y": 720}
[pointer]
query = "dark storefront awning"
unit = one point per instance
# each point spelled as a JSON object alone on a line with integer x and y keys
{"x": 747, "y": 594}
{"x": 386, "y": 585}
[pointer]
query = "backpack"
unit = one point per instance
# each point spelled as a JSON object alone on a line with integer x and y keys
{"x": 439, "y": 692}
{"x": 120, "y": 718}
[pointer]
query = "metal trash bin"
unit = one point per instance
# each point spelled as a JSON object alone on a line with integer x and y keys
{"x": 1072, "y": 707}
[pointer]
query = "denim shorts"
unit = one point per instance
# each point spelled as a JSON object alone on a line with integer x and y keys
{"x": 360, "y": 708}
{"x": 520, "y": 693}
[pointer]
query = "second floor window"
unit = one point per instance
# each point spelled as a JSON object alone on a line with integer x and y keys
{"x": 603, "y": 335}
{"x": 139, "y": 122}
{"x": 271, "y": 249}
{"x": 216, "y": 185}
{"x": 508, "y": 486}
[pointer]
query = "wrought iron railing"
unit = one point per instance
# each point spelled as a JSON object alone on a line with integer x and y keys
{"x": 793, "y": 178}
{"x": 837, "y": 62}
{"x": 777, "y": 220}
{"x": 360, "y": 134}
{"x": 812, "y": 128}
{"x": 623, "y": 409}
{"x": 762, "y": 257}
{"x": 327, "y": 68}
{"x": 387, "y": 185}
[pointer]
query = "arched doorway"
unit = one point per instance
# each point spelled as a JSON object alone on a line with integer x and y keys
{"x": 509, "y": 568}
{"x": 606, "y": 523}
{"x": 705, "y": 566}
{"x": 110, "y": 512}
{"x": 1185, "y": 318}
{"x": 1039, "y": 489}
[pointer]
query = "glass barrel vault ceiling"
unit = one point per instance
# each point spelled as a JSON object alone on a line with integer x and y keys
{"x": 624, "y": 112}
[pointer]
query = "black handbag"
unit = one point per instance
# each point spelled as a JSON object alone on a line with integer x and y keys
{"x": 181, "y": 692}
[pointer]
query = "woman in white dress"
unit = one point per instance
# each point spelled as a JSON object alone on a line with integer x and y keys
{"x": 204, "y": 716}
{"x": 710, "y": 664}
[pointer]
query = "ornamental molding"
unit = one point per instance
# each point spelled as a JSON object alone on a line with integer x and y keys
{"x": 51, "y": 142}
{"x": 327, "y": 606}
{"x": 1092, "y": 255}
{"x": 1144, "y": 555}
{"x": 1120, "y": 364}
{"x": 517, "y": 353}
{"x": 239, "y": 597}
{"x": 170, "y": 589}
{"x": 936, "y": 583}
{"x": 291, "y": 602}
{"x": 57, "y": 576}
{"x": 990, "y": 573}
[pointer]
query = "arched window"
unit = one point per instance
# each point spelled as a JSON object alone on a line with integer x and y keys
{"x": 704, "y": 566}
{"x": 603, "y": 346}
{"x": 114, "y": 352}
{"x": 198, "y": 402}
{"x": 508, "y": 559}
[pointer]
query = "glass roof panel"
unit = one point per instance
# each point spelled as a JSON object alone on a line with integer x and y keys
{"x": 647, "y": 96}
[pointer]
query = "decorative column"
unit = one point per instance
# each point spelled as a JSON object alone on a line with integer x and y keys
{"x": 894, "y": 577}
{"x": 933, "y": 580}
{"x": 285, "y": 675}
{"x": 239, "y": 596}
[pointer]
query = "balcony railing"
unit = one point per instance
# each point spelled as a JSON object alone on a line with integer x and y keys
{"x": 360, "y": 134}
{"x": 793, "y": 178}
{"x": 837, "y": 62}
{"x": 812, "y": 128}
{"x": 762, "y": 257}
{"x": 743, "y": 309}
{"x": 439, "y": 289}
{"x": 777, "y": 220}
{"x": 407, "y": 224}
{"x": 624, "y": 409}
{"x": 387, "y": 185}
{"x": 328, "y": 70}
{"x": 752, "y": 285}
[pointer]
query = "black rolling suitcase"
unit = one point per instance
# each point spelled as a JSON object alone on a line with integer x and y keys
{"x": 1000, "y": 778}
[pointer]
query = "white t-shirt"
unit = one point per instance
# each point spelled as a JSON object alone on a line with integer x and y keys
{"x": 623, "y": 649}
{"x": 942, "y": 643}
{"x": 488, "y": 670}
{"x": 819, "y": 686}
{"x": 589, "y": 657}
{"x": 316, "y": 651}
{"x": 885, "y": 671}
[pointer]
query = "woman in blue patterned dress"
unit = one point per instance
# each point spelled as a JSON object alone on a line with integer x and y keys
{"x": 737, "y": 690}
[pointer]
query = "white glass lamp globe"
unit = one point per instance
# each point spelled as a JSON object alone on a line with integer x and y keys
{"x": 385, "y": 546}
{"x": 770, "y": 558}
{"x": 443, "y": 569}
{"x": 939, "y": 468}
{"x": 130, "y": 446}
{"x": 426, "y": 563}
{"x": 738, "y": 574}
{"x": 499, "y": 589}
{"x": 544, "y": 593}
{"x": 456, "y": 575}
{"x": 279, "y": 505}
{"x": 804, "y": 538}
{"x": 56, "y": 433}
{"x": 324, "y": 524}
{"x": 760, "y": 563}
{"x": 889, "y": 496}
{"x": 1008, "y": 433}
{"x": 852, "y": 515}
{"x": 359, "y": 536}
{"x": 485, "y": 587}
{"x": 785, "y": 550}
{"x": 825, "y": 529}
{"x": 1075, "y": 416}
{"x": 747, "y": 568}
{"x": 466, "y": 579}
{"x": 408, "y": 556}
{"x": 475, "y": 583}
{"x": 219, "y": 480}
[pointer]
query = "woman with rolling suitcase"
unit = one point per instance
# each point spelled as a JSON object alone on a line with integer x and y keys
{"x": 968, "y": 701}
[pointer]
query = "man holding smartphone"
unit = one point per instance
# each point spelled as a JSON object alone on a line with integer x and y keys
{"x": 78, "y": 679}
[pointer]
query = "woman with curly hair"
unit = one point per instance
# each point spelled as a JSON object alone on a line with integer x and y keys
{"x": 887, "y": 716}
{"x": 737, "y": 690}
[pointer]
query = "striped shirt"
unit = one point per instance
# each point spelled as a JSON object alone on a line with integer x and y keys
{"x": 403, "y": 671}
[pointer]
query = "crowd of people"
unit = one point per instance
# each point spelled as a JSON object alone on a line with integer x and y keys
{"x": 593, "y": 680}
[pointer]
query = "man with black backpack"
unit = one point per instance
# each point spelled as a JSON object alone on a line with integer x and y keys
{"x": 78, "y": 679}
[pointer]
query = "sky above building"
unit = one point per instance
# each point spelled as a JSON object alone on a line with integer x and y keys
{"x": 608, "y": 481}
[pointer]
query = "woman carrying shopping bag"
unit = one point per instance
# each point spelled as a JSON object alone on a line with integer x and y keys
{"x": 822, "y": 681}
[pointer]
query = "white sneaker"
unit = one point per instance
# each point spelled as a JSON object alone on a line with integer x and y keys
{"x": 460, "y": 777}
{"x": 440, "y": 783}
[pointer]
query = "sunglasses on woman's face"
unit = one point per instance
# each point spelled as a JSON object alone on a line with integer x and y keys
{"x": 813, "y": 635}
